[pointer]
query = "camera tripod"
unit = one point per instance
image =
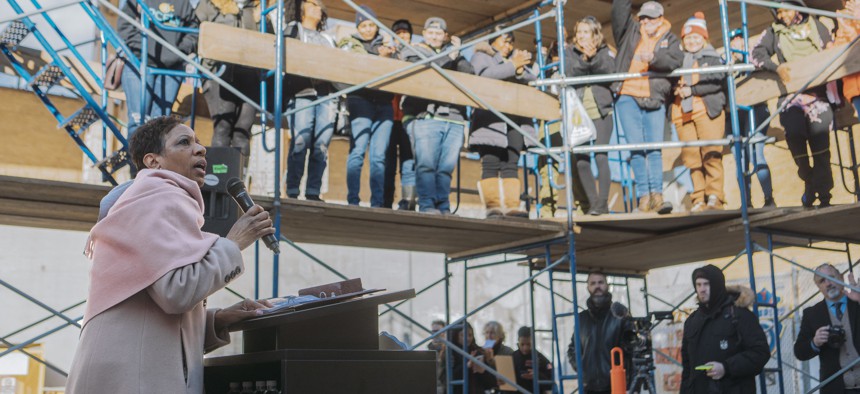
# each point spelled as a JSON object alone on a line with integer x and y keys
{"x": 643, "y": 378}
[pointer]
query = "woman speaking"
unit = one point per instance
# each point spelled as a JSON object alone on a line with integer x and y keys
{"x": 146, "y": 326}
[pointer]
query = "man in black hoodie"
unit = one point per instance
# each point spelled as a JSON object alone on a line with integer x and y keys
{"x": 600, "y": 328}
{"x": 161, "y": 89}
{"x": 724, "y": 346}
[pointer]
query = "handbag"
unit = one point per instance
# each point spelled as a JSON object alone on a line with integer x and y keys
{"x": 581, "y": 127}
{"x": 113, "y": 72}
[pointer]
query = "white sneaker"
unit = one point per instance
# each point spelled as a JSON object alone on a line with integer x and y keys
{"x": 698, "y": 207}
{"x": 714, "y": 202}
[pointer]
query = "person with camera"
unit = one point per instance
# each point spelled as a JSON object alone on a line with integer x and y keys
{"x": 600, "y": 329}
{"x": 724, "y": 346}
{"x": 826, "y": 331}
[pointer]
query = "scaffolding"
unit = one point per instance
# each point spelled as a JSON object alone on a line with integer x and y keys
{"x": 542, "y": 257}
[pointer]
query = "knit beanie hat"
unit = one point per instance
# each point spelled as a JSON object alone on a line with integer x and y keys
{"x": 696, "y": 24}
{"x": 402, "y": 24}
{"x": 359, "y": 17}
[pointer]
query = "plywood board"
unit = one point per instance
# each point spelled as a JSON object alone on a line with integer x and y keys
{"x": 762, "y": 86}
{"x": 254, "y": 49}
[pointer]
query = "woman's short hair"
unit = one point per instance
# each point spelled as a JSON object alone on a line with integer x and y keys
{"x": 596, "y": 29}
{"x": 496, "y": 328}
{"x": 149, "y": 138}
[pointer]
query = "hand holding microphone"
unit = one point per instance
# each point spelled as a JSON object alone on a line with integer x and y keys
{"x": 254, "y": 224}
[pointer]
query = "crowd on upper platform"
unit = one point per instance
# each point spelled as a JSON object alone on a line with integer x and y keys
{"x": 422, "y": 139}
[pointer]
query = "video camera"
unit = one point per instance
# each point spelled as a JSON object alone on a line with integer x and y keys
{"x": 636, "y": 335}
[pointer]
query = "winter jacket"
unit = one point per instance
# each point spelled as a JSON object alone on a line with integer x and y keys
{"x": 813, "y": 318}
{"x": 355, "y": 43}
{"x": 667, "y": 54}
{"x": 173, "y": 13}
{"x": 603, "y": 62}
{"x": 523, "y": 363}
{"x": 599, "y": 331}
{"x": 298, "y": 86}
{"x": 419, "y": 107}
{"x": 489, "y": 130}
{"x": 709, "y": 87}
{"x": 729, "y": 334}
{"x": 768, "y": 46}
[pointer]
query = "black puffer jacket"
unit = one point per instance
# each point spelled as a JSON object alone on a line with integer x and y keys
{"x": 711, "y": 88}
{"x": 667, "y": 53}
{"x": 599, "y": 331}
{"x": 729, "y": 334}
{"x": 603, "y": 62}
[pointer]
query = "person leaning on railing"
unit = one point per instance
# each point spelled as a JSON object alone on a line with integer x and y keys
{"x": 311, "y": 129}
{"x": 435, "y": 128}
{"x": 697, "y": 113}
{"x": 231, "y": 117}
{"x": 808, "y": 118}
{"x": 589, "y": 55}
{"x": 644, "y": 44}
{"x": 498, "y": 143}
{"x": 161, "y": 89}
{"x": 370, "y": 115}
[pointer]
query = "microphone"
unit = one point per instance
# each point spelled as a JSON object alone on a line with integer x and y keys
{"x": 237, "y": 190}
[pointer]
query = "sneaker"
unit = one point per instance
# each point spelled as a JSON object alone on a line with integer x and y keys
{"x": 403, "y": 205}
{"x": 313, "y": 197}
{"x": 769, "y": 203}
{"x": 808, "y": 197}
{"x": 714, "y": 203}
{"x": 698, "y": 207}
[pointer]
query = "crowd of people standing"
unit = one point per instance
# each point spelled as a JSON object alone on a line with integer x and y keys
{"x": 422, "y": 139}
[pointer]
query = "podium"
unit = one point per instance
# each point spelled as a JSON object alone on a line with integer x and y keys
{"x": 324, "y": 349}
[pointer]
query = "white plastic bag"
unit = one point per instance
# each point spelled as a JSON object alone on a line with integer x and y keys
{"x": 582, "y": 129}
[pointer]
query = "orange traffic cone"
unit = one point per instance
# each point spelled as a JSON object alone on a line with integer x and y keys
{"x": 617, "y": 374}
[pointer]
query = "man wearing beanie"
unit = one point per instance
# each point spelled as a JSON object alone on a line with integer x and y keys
{"x": 724, "y": 346}
{"x": 600, "y": 328}
{"x": 435, "y": 128}
{"x": 697, "y": 113}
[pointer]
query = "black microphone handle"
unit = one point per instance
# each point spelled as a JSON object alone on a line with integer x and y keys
{"x": 246, "y": 203}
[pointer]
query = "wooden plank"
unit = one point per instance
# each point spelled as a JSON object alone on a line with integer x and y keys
{"x": 762, "y": 86}
{"x": 254, "y": 49}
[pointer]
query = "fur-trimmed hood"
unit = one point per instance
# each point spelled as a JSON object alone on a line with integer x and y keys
{"x": 744, "y": 296}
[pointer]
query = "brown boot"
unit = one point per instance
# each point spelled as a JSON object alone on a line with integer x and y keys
{"x": 488, "y": 189}
{"x": 658, "y": 205}
{"x": 644, "y": 203}
{"x": 511, "y": 199}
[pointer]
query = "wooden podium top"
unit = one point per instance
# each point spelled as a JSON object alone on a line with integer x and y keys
{"x": 321, "y": 312}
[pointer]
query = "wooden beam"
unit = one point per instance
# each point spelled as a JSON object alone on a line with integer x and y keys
{"x": 762, "y": 86}
{"x": 254, "y": 49}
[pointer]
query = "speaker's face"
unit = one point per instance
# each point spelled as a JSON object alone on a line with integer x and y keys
{"x": 183, "y": 154}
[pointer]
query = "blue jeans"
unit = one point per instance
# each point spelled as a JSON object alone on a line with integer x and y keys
{"x": 161, "y": 92}
{"x": 756, "y": 151}
{"x": 436, "y": 145}
{"x": 311, "y": 130}
{"x": 856, "y": 102}
{"x": 642, "y": 126}
{"x": 371, "y": 126}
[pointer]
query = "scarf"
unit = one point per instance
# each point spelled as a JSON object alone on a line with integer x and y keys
{"x": 153, "y": 228}
{"x": 641, "y": 87}
{"x": 798, "y": 40}
{"x": 692, "y": 60}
